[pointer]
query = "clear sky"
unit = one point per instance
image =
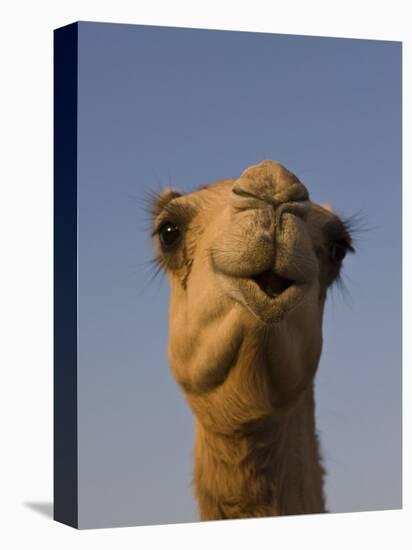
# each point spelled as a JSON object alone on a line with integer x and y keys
{"x": 161, "y": 106}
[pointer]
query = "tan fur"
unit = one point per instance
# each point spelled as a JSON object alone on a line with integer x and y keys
{"x": 244, "y": 355}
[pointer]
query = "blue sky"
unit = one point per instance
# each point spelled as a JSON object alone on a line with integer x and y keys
{"x": 161, "y": 106}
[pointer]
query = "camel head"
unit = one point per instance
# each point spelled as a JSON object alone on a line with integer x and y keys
{"x": 249, "y": 262}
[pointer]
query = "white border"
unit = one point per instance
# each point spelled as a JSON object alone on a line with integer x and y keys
{"x": 26, "y": 266}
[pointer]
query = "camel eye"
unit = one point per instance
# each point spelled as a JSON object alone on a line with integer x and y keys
{"x": 169, "y": 235}
{"x": 338, "y": 251}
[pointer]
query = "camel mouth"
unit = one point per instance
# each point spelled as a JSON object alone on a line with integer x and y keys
{"x": 267, "y": 295}
{"x": 272, "y": 284}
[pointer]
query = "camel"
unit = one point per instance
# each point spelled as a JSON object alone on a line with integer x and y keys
{"x": 249, "y": 263}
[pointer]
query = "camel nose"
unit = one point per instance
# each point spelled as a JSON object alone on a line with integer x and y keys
{"x": 270, "y": 182}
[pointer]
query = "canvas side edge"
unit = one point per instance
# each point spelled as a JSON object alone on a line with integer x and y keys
{"x": 65, "y": 445}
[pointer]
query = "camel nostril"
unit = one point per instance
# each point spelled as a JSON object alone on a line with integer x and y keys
{"x": 239, "y": 192}
{"x": 242, "y": 193}
{"x": 244, "y": 200}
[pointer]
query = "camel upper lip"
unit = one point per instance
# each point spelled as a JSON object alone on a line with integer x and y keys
{"x": 271, "y": 283}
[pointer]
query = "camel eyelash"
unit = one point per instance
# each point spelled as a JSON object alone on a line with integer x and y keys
{"x": 174, "y": 213}
{"x": 169, "y": 215}
{"x": 340, "y": 232}
{"x": 160, "y": 224}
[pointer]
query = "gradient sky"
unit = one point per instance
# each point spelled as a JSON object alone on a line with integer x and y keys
{"x": 161, "y": 106}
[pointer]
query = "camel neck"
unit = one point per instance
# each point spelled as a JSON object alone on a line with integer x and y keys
{"x": 271, "y": 468}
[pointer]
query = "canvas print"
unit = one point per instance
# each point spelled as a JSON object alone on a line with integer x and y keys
{"x": 227, "y": 275}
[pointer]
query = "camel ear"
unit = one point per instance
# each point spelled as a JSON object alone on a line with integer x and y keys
{"x": 329, "y": 208}
{"x": 160, "y": 200}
